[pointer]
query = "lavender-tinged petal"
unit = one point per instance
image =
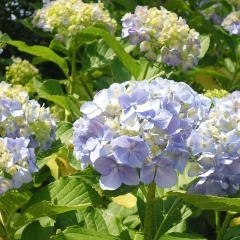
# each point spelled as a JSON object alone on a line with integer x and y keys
{"x": 111, "y": 181}
{"x": 139, "y": 96}
{"x": 128, "y": 175}
{"x": 125, "y": 101}
{"x": 147, "y": 173}
{"x": 162, "y": 119}
{"x": 166, "y": 176}
{"x": 104, "y": 165}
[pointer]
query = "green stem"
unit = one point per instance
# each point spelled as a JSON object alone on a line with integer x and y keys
{"x": 72, "y": 79}
{"x": 217, "y": 221}
{"x": 224, "y": 226}
{"x": 147, "y": 231}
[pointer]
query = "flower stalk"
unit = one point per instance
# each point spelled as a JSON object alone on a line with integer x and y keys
{"x": 147, "y": 232}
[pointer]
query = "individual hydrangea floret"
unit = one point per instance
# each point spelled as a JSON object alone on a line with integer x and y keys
{"x": 161, "y": 32}
{"x": 215, "y": 146}
{"x": 138, "y": 131}
{"x": 232, "y": 23}
{"x": 20, "y": 72}
{"x": 69, "y": 17}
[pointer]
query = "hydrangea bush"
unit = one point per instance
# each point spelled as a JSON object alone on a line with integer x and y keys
{"x": 108, "y": 147}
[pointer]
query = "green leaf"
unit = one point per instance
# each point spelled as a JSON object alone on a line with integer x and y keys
{"x": 232, "y": 233}
{"x": 172, "y": 5}
{"x": 37, "y": 231}
{"x": 131, "y": 64}
{"x": 97, "y": 55}
{"x": 120, "y": 211}
{"x": 42, "y": 209}
{"x": 64, "y": 131}
{"x": 119, "y": 71}
{"x": 77, "y": 233}
{"x": 204, "y": 42}
{"x": 63, "y": 195}
{"x": 52, "y": 91}
{"x": 58, "y": 46}
{"x": 40, "y": 51}
{"x": 210, "y": 202}
{"x": 229, "y": 65}
{"x": 10, "y": 202}
{"x": 221, "y": 77}
{"x": 93, "y": 219}
{"x": 129, "y": 5}
{"x": 180, "y": 236}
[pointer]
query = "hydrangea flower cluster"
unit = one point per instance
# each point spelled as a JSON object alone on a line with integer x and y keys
{"x": 24, "y": 125}
{"x": 160, "y": 32}
{"x": 211, "y": 12}
{"x": 22, "y": 117}
{"x": 215, "y": 146}
{"x": 232, "y": 23}
{"x": 20, "y": 72}
{"x": 68, "y": 17}
{"x": 138, "y": 131}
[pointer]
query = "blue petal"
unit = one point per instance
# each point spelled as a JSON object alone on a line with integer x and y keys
{"x": 139, "y": 95}
{"x": 128, "y": 175}
{"x": 111, "y": 181}
{"x": 162, "y": 119}
{"x": 125, "y": 101}
{"x": 166, "y": 176}
{"x": 147, "y": 173}
{"x": 104, "y": 165}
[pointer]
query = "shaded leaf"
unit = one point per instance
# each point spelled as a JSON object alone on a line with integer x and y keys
{"x": 232, "y": 233}
{"x": 76, "y": 233}
{"x": 210, "y": 202}
{"x": 131, "y": 64}
{"x": 40, "y": 51}
{"x": 180, "y": 236}
{"x": 37, "y": 231}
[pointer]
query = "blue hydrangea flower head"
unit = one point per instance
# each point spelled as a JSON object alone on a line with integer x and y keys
{"x": 139, "y": 128}
{"x": 215, "y": 145}
{"x": 160, "y": 32}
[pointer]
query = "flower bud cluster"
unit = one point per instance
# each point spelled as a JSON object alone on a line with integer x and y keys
{"x": 20, "y": 72}
{"x": 24, "y": 125}
{"x": 215, "y": 146}
{"x": 232, "y": 23}
{"x": 67, "y": 17}
{"x": 160, "y": 32}
{"x": 138, "y": 131}
{"x": 216, "y": 93}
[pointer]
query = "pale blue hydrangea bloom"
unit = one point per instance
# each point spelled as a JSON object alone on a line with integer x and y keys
{"x": 232, "y": 23}
{"x": 215, "y": 145}
{"x": 138, "y": 131}
{"x": 162, "y": 33}
{"x": 24, "y": 125}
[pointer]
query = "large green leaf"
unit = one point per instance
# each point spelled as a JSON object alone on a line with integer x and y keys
{"x": 77, "y": 233}
{"x": 52, "y": 91}
{"x": 204, "y": 42}
{"x": 37, "y": 231}
{"x": 10, "y": 202}
{"x": 97, "y": 55}
{"x": 93, "y": 32}
{"x": 232, "y": 233}
{"x": 181, "y": 236}
{"x": 64, "y": 131}
{"x": 40, "y": 51}
{"x": 93, "y": 219}
{"x": 119, "y": 71}
{"x": 210, "y": 202}
{"x": 42, "y": 209}
{"x": 63, "y": 195}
